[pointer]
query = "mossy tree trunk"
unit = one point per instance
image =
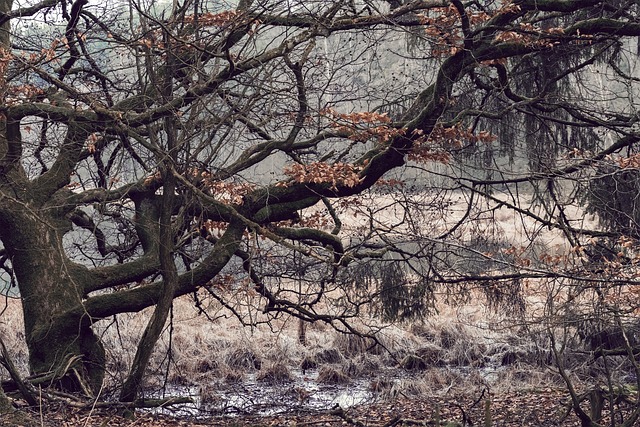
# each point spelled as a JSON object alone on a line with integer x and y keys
{"x": 51, "y": 287}
{"x": 32, "y": 225}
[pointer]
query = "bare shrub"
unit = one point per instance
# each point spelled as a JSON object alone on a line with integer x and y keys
{"x": 449, "y": 336}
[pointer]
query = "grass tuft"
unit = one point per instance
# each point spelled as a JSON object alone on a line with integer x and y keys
{"x": 332, "y": 375}
{"x": 277, "y": 373}
{"x": 243, "y": 359}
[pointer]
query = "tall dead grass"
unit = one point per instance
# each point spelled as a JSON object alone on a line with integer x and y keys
{"x": 196, "y": 351}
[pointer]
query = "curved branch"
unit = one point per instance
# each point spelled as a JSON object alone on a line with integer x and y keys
{"x": 102, "y": 195}
{"x": 60, "y": 173}
{"x": 70, "y": 34}
{"x": 82, "y": 220}
{"x": 464, "y": 20}
{"x": 303, "y": 107}
{"x": 312, "y": 235}
{"x": 604, "y": 26}
{"x": 133, "y": 300}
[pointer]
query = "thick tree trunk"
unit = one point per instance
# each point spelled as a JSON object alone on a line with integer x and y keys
{"x": 50, "y": 287}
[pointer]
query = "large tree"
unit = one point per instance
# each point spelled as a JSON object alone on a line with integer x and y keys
{"x": 148, "y": 149}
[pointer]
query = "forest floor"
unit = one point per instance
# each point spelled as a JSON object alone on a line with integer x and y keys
{"x": 540, "y": 408}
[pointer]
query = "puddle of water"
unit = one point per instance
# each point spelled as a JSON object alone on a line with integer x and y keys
{"x": 303, "y": 394}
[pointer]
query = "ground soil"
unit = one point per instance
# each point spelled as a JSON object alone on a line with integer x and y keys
{"x": 534, "y": 408}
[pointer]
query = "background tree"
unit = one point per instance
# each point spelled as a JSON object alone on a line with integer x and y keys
{"x": 149, "y": 150}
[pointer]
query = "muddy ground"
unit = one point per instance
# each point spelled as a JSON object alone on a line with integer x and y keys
{"x": 536, "y": 408}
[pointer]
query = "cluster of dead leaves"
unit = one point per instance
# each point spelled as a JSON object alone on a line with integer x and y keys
{"x": 437, "y": 146}
{"x": 223, "y": 191}
{"x": 443, "y": 27}
{"x": 219, "y": 19}
{"x": 632, "y": 161}
{"x": 337, "y": 174}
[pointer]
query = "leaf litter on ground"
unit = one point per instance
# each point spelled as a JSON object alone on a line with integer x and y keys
{"x": 526, "y": 408}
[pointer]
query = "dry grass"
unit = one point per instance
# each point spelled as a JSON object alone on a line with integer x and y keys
{"x": 332, "y": 375}
{"x": 277, "y": 373}
{"x": 195, "y": 351}
{"x": 461, "y": 349}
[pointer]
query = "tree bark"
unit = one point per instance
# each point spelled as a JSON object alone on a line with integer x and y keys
{"x": 51, "y": 285}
